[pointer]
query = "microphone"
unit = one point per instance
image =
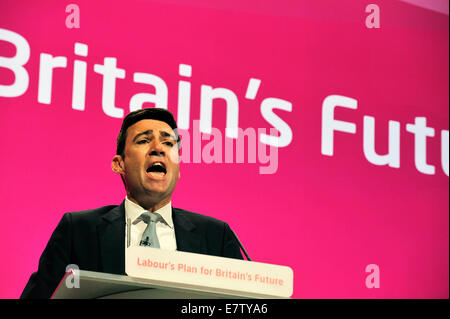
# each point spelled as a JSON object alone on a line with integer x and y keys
{"x": 128, "y": 232}
{"x": 240, "y": 245}
{"x": 145, "y": 242}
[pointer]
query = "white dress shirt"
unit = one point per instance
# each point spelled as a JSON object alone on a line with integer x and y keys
{"x": 164, "y": 231}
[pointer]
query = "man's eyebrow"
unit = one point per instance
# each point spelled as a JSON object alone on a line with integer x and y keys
{"x": 166, "y": 134}
{"x": 148, "y": 132}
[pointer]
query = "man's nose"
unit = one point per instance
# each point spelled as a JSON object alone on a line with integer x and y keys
{"x": 157, "y": 149}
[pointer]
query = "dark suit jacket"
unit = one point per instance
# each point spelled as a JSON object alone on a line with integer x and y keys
{"x": 95, "y": 240}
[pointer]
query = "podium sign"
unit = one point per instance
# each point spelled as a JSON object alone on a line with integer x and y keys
{"x": 197, "y": 271}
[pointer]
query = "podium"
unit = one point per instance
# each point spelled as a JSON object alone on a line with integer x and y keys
{"x": 96, "y": 285}
{"x": 160, "y": 274}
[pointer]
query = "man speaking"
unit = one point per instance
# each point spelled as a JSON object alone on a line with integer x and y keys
{"x": 147, "y": 159}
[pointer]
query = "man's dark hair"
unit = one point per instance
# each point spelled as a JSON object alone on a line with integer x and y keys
{"x": 144, "y": 114}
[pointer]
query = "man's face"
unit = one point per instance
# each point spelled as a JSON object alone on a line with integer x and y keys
{"x": 150, "y": 167}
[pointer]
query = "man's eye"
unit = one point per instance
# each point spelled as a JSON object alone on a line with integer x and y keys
{"x": 142, "y": 141}
{"x": 169, "y": 143}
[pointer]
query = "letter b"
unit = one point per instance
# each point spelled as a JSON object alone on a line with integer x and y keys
{"x": 15, "y": 64}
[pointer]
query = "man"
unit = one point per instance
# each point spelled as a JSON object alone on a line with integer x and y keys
{"x": 95, "y": 240}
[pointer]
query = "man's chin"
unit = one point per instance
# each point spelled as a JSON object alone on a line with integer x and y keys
{"x": 155, "y": 187}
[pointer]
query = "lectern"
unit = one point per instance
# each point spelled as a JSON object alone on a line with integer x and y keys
{"x": 95, "y": 285}
{"x": 159, "y": 274}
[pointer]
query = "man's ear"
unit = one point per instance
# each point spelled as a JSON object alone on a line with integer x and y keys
{"x": 117, "y": 165}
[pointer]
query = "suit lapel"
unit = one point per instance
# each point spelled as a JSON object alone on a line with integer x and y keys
{"x": 111, "y": 232}
{"x": 111, "y": 235}
{"x": 186, "y": 236}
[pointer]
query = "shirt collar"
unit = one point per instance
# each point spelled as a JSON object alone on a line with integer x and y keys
{"x": 133, "y": 211}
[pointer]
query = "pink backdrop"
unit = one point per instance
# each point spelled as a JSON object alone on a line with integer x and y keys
{"x": 327, "y": 217}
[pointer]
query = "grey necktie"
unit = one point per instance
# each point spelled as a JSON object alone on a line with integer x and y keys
{"x": 149, "y": 237}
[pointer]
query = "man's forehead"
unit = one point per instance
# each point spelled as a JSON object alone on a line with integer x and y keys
{"x": 152, "y": 125}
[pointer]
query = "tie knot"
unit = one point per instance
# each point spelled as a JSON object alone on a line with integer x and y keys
{"x": 148, "y": 217}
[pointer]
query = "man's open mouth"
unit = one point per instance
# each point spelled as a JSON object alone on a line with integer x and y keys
{"x": 157, "y": 170}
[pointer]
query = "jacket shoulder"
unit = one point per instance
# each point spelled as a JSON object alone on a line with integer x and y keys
{"x": 91, "y": 214}
{"x": 198, "y": 218}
